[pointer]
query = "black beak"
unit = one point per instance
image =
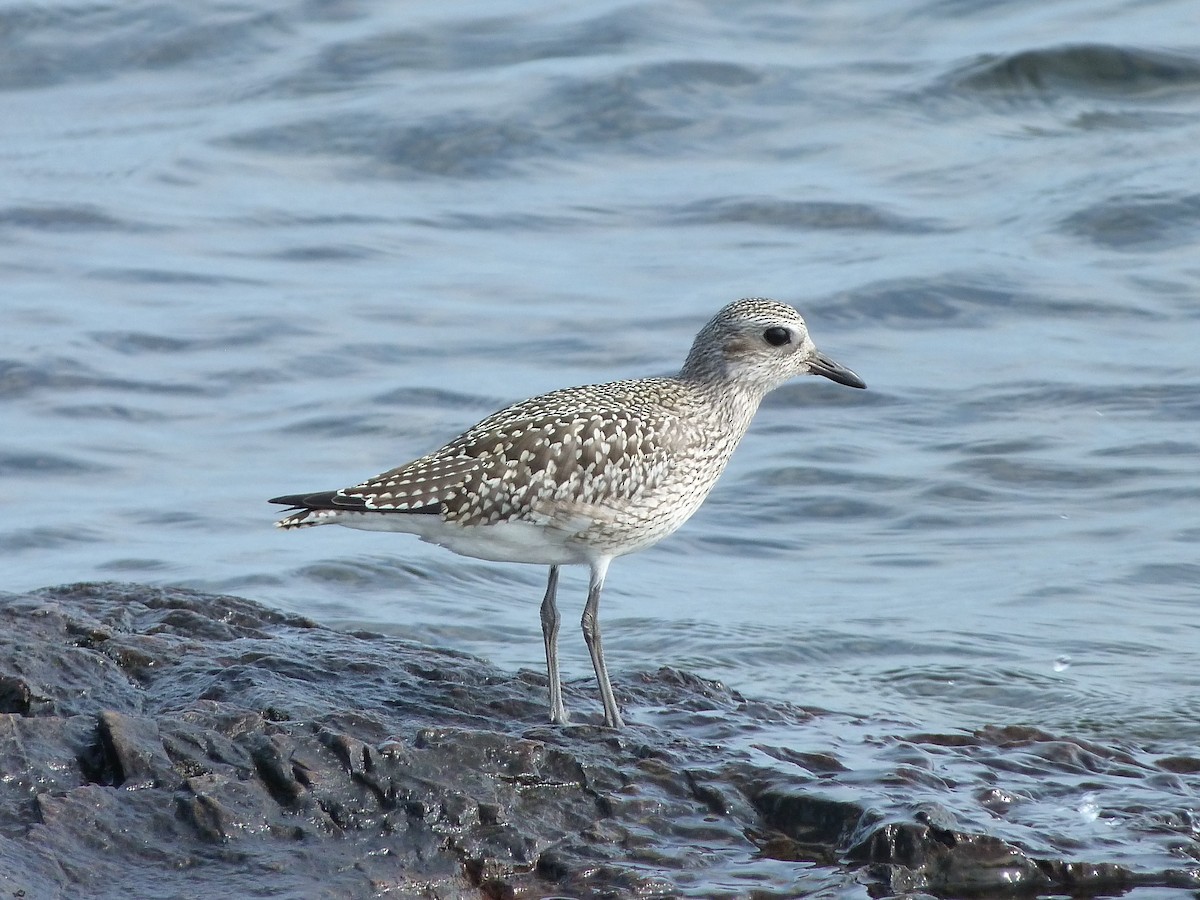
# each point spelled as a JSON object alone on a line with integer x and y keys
{"x": 821, "y": 364}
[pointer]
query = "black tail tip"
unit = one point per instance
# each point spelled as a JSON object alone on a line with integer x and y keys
{"x": 294, "y": 500}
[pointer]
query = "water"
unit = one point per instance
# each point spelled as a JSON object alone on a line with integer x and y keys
{"x": 250, "y": 249}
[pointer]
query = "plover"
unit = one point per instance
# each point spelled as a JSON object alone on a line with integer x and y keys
{"x": 586, "y": 474}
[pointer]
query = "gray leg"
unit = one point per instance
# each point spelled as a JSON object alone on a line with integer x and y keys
{"x": 550, "y": 620}
{"x": 591, "y": 634}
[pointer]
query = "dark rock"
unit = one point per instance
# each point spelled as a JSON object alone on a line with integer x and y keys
{"x": 161, "y": 742}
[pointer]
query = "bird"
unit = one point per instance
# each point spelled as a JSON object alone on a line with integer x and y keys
{"x": 582, "y": 475}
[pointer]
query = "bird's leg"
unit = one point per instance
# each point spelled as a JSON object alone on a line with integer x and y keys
{"x": 550, "y": 620}
{"x": 591, "y": 634}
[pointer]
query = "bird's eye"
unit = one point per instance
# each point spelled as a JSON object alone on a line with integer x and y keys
{"x": 777, "y": 336}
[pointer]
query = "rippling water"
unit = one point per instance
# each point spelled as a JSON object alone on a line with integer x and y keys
{"x": 250, "y": 249}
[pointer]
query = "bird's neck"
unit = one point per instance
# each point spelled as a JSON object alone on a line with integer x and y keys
{"x": 733, "y": 402}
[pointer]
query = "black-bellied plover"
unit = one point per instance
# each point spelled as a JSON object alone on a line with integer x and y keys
{"x": 586, "y": 474}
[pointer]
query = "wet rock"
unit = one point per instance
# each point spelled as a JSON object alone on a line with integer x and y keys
{"x": 158, "y": 741}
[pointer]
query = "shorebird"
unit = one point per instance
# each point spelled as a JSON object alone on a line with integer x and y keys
{"x": 586, "y": 474}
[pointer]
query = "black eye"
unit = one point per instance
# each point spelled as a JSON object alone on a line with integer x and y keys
{"x": 777, "y": 336}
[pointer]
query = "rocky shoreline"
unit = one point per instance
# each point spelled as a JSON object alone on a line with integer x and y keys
{"x": 164, "y": 742}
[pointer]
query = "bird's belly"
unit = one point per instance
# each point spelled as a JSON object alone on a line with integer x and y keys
{"x": 520, "y": 542}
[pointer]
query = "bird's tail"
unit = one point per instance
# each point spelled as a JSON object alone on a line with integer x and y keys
{"x": 311, "y": 509}
{"x": 307, "y": 518}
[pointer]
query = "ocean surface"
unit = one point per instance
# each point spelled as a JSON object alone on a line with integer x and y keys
{"x": 255, "y": 248}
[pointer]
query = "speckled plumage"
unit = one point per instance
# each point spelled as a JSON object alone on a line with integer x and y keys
{"x": 586, "y": 474}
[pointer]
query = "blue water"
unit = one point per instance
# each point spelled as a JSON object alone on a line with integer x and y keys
{"x": 251, "y": 249}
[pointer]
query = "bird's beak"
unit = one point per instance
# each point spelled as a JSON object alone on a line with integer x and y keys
{"x": 820, "y": 364}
